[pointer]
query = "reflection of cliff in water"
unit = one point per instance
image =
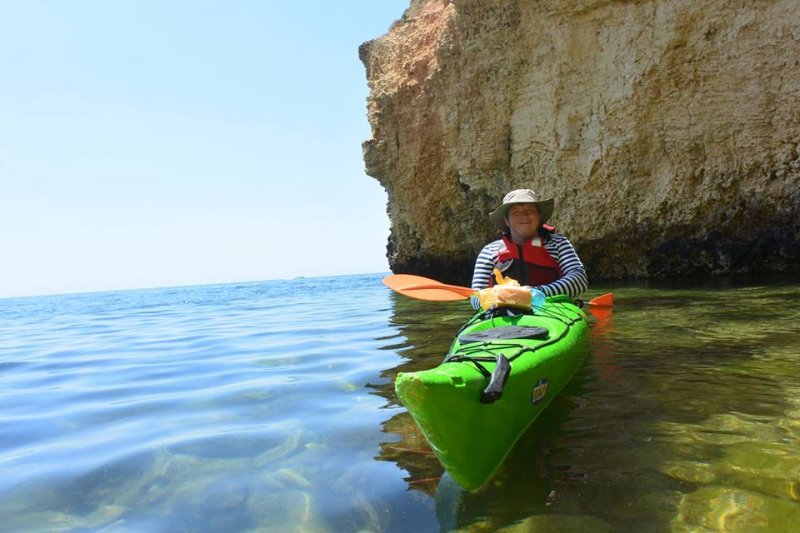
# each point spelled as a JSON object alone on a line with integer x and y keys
{"x": 524, "y": 483}
{"x": 411, "y": 453}
{"x": 426, "y": 330}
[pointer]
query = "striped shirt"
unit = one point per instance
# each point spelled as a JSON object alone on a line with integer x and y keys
{"x": 573, "y": 283}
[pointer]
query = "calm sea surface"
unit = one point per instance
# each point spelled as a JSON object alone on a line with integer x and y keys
{"x": 270, "y": 407}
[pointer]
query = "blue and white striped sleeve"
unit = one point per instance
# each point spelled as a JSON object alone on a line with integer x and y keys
{"x": 574, "y": 281}
{"x": 484, "y": 266}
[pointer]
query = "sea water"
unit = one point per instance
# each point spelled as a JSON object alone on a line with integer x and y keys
{"x": 270, "y": 407}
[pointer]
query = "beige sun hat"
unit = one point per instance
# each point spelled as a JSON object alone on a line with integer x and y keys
{"x": 522, "y": 196}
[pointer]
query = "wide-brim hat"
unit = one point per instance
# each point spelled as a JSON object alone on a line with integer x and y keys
{"x": 522, "y": 196}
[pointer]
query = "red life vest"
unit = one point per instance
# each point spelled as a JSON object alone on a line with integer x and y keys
{"x": 537, "y": 266}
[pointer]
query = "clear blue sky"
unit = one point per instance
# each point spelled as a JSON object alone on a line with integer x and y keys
{"x": 161, "y": 143}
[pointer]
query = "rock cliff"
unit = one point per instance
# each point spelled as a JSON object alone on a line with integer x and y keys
{"x": 668, "y": 131}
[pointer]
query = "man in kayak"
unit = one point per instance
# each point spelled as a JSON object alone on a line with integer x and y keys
{"x": 531, "y": 252}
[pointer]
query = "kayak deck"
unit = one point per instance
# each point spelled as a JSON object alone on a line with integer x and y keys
{"x": 470, "y": 431}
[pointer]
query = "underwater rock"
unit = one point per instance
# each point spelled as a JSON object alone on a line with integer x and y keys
{"x": 731, "y": 509}
{"x": 555, "y": 523}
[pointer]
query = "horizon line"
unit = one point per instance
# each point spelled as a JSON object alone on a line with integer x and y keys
{"x": 187, "y": 286}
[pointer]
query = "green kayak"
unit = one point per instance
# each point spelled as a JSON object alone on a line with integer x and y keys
{"x": 503, "y": 369}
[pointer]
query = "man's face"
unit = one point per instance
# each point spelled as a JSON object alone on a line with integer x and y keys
{"x": 523, "y": 219}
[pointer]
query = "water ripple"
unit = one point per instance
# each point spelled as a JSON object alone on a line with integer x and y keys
{"x": 270, "y": 405}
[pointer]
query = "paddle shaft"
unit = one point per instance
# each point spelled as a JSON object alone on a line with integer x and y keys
{"x": 416, "y": 287}
{"x": 464, "y": 291}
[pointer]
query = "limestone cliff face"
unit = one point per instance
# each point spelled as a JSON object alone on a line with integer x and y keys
{"x": 668, "y": 131}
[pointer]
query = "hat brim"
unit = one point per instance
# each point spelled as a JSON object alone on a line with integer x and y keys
{"x": 498, "y": 216}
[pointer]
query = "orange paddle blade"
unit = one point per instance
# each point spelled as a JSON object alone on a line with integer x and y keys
{"x": 604, "y": 300}
{"x": 426, "y": 289}
{"x": 600, "y": 307}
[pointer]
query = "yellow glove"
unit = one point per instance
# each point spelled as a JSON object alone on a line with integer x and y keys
{"x": 505, "y": 296}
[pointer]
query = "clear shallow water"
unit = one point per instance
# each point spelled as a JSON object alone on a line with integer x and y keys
{"x": 269, "y": 407}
